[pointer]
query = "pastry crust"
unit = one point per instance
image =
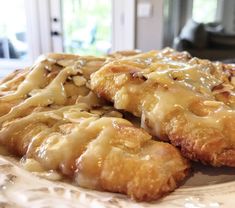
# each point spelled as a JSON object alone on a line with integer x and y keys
{"x": 52, "y": 119}
{"x": 100, "y": 152}
{"x": 187, "y": 101}
{"x": 54, "y": 80}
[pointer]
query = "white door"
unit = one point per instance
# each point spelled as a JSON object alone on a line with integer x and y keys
{"x": 92, "y": 27}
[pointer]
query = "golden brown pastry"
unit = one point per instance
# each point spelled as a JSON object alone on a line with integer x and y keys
{"x": 187, "y": 101}
{"x": 96, "y": 149}
{"x": 54, "y": 80}
{"x": 51, "y": 119}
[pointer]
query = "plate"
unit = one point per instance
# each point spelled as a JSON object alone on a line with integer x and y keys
{"x": 206, "y": 187}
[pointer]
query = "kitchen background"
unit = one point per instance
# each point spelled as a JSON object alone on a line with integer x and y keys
{"x": 29, "y": 28}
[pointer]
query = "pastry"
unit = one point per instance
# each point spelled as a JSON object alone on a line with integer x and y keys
{"x": 186, "y": 101}
{"x": 52, "y": 120}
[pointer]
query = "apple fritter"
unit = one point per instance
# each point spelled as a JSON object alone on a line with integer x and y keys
{"x": 51, "y": 119}
{"x": 54, "y": 80}
{"x": 98, "y": 150}
{"x": 187, "y": 101}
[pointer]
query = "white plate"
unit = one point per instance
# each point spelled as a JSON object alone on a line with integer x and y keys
{"x": 208, "y": 187}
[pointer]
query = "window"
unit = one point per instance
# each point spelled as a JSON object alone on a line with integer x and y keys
{"x": 13, "y": 40}
{"x": 204, "y": 11}
{"x": 29, "y": 28}
{"x": 87, "y": 26}
{"x": 95, "y": 27}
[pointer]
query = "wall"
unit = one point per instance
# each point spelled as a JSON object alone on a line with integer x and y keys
{"x": 149, "y": 30}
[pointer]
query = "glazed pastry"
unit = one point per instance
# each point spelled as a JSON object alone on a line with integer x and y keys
{"x": 187, "y": 101}
{"x": 97, "y": 150}
{"x": 54, "y": 80}
{"x": 54, "y": 122}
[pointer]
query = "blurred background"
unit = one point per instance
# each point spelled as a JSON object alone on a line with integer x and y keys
{"x": 29, "y": 28}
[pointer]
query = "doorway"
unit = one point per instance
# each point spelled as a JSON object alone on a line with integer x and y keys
{"x": 94, "y": 27}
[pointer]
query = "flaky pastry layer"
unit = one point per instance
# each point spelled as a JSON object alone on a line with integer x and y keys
{"x": 51, "y": 119}
{"x": 187, "y": 101}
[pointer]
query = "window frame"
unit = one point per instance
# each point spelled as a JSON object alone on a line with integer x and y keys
{"x": 123, "y": 27}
